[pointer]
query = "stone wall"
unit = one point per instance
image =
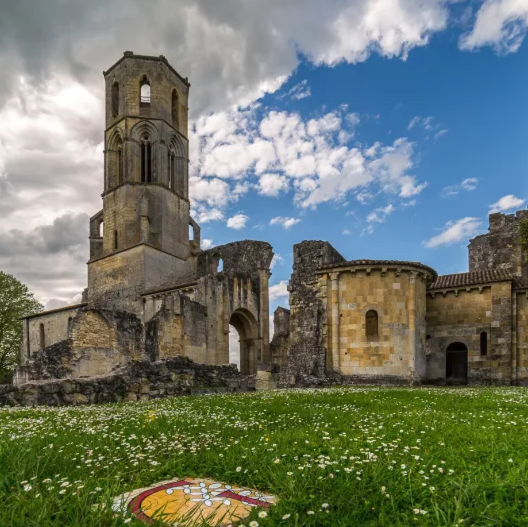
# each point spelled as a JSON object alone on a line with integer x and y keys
{"x": 97, "y": 343}
{"x": 307, "y": 352}
{"x": 139, "y": 380}
{"x": 394, "y": 348}
{"x": 461, "y": 315}
{"x": 500, "y": 247}
{"x": 280, "y": 343}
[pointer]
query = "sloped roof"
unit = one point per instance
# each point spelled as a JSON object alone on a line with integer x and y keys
{"x": 472, "y": 278}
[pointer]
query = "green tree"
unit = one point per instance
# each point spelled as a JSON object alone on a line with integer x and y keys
{"x": 523, "y": 232}
{"x": 16, "y": 302}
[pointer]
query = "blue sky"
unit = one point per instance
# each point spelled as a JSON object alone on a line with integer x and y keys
{"x": 389, "y": 128}
{"x": 478, "y": 97}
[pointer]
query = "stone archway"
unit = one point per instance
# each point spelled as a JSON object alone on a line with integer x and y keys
{"x": 247, "y": 328}
{"x": 456, "y": 363}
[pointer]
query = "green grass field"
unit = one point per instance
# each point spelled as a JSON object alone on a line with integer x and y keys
{"x": 344, "y": 456}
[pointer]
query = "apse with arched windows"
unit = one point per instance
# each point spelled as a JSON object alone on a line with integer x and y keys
{"x": 243, "y": 333}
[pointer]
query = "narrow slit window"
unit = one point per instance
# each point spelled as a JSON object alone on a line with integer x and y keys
{"x": 115, "y": 99}
{"x": 483, "y": 343}
{"x": 42, "y": 335}
{"x": 115, "y": 240}
{"x": 119, "y": 166}
{"x": 146, "y": 161}
{"x": 191, "y": 233}
{"x": 371, "y": 323}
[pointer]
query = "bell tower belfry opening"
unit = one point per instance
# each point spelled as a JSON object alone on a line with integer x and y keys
{"x": 146, "y": 181}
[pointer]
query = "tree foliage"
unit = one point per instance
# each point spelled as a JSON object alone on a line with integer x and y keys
{"x": 16, "y": 302}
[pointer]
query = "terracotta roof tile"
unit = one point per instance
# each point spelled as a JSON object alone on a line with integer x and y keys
{"x": 472, "y": 278}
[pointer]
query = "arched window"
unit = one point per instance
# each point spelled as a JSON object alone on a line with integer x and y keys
{"x": 220, "y": 266}
{"x": 170, "y": 164}
{"x": 146, "y": 160}
{"x": 115, "y": 99}
{"x": 144, "y": 89}
{"x": 115, "y": 240}
{"x": 175, "y": 109}
{"x": 483, "y": 343}
{"x": 371, "y": 323}
{"x": 42, "y": 336}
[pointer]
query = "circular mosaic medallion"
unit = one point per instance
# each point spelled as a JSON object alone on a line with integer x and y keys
{"x": 193, "y": 500}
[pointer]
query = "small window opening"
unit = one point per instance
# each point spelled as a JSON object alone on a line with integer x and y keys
{"x": 119, "y": 165}
{"x": 371, "y": 323}
{"x": 220, "y": 266}
{"x": 146, "y": 161}
{"x": 42, "y": 336}
{"x": 145, "y": 92}
{"x": 115, "y": 240}
{"x": 191, "y": 233}
{"x": 483, "y": 343}
{"x": 115, "y": 99}
{"x": 175, "y": 109}
{"x": 101, "y": 229}
{"x": 171, "y": 160}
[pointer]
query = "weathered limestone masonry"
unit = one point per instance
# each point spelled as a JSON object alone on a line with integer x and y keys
{"x": 500, "y": 248}
{"x": 152, "y": 293}
{"x": 381, "y": 321}
{"x": 138, "y": 381}
{"x": 307, "y": 354}
{"x": 155, "y": 316}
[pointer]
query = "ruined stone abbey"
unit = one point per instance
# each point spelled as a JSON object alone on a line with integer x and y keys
{"x": 154, "y": 295}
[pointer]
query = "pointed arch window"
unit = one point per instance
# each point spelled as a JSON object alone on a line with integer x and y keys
{"x": 146, "y": 160}
{"x": 175, "y": 109}
{"x": 144, "y": 89}
{"x": 115, "y": 99}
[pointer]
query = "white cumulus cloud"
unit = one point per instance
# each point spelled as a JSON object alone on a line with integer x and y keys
{"x": 285, "y": 222}
{"x": 507, "y": 203}
{"x": 237, "y": 222}
{"x": 279, "y": 290}
{"x": 455, "y": 231}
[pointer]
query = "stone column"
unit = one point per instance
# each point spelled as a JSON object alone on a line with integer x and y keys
{"x": 411, "y": 308}
{"x": 334, "y": 302}
{"x": 264, "y": 275}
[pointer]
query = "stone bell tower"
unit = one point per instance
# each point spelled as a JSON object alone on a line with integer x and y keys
{"x": 140, "y": 240}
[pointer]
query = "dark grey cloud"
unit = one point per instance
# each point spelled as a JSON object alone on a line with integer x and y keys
{"x": 227, "y": 49}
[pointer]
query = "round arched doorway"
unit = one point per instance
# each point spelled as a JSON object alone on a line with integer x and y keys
{"x": 246, "y": 326}
{"x": 456, "y": 363}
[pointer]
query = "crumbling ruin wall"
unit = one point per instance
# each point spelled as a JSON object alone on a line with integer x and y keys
{"x": 95, "y": 343}
{"x": 193, "y": 320}
{"x": 140, "y": 380}
{"x": 306, "y": 363}
{"x": 280, "y": 343}
{"x": 500, "y": 248}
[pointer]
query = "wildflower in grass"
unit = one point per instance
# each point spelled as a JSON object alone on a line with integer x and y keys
{"x": 238, "y": 469}
{"x": 310, "y": 513}
{"x": 262, "y": 514}
{"x": 289, "y": 473}
{"x": 27, "y": 487}
{"x": 253, "y": 524}
{"x": 325, "y": 505}
{"x": 286, "y": 516}
{"x": 277, "y": 461}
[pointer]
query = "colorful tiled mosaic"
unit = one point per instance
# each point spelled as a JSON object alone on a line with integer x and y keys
{"x": 193, "y": 500}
